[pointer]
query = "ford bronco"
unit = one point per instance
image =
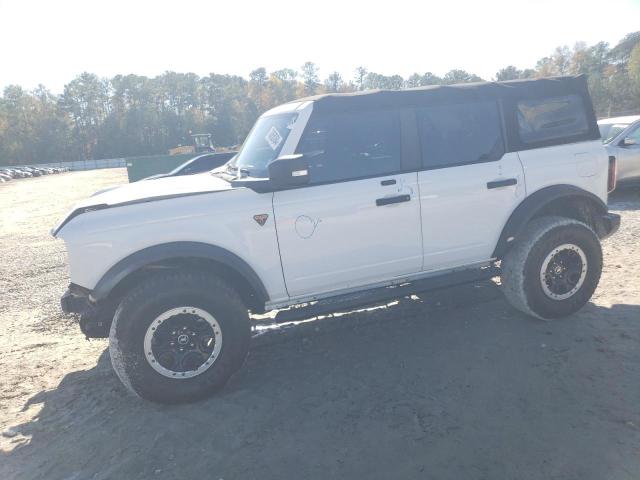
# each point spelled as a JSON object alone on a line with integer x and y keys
{"x": 344, "y": 200}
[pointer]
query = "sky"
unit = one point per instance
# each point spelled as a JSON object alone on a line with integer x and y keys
{"x": 50, "y": 42}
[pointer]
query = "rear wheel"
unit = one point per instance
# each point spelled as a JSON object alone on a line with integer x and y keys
{"x": 179, "y": 337}
{"x": 553, "y": 269}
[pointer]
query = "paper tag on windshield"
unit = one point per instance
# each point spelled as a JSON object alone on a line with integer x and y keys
{"x": 273, "y": 138}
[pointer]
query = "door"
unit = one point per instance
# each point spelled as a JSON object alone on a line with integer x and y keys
{"x": 358, "y": 221}
{"x": 468, "y": 185}
{"x": 628, "y": 156}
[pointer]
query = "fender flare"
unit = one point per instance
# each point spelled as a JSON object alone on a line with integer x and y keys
{"x": 532, "y": 205}
{"x": 176, "y": 250}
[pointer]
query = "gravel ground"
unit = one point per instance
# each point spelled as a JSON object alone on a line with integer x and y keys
{"x": 453, "y": 385}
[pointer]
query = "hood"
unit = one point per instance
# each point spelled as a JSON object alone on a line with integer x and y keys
{"x": 157, "y": 189}
{"x": 149, "y": 191}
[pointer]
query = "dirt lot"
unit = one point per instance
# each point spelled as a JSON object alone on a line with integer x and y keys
{"x": 455, "y": 385}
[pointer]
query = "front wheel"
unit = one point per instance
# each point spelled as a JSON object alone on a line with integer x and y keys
{"x": 178, "y": 337}
{"x": 553, "y": 269}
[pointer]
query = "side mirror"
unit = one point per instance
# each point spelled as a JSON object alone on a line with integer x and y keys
{"x": 628, "y": 141}
{"x": 289, "y": 171}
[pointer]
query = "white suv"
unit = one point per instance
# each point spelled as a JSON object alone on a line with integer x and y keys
{"x": 338, "y": 201}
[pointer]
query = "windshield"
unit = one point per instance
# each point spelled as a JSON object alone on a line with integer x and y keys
{"x": 263, "y": 144}
{"x": 201, "y": 141}
{"x": 609, "y": 131}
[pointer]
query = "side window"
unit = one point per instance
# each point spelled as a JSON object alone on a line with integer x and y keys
{"x": 198, "y": 166}
{"x": 551, "y": 118}
{"x": 460, "y": 134}
{"x": 635, "y": 134}
{"x": 211, "y": 162}
{"x": 343, "y": 146}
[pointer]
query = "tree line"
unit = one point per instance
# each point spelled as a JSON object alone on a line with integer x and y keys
{"x": 131, "y": 115}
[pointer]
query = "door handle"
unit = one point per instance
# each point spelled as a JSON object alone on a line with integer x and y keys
{"x": 389, "y": 200}
{"x": 391, "y": 181}
{"x": 502, "y": 183}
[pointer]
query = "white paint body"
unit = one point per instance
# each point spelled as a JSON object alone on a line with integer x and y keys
{"x": 461, "y": 218}
{"x": 98, "y": 240}
{"x": 328, "y": 239}
{"x": 334, "y": 237}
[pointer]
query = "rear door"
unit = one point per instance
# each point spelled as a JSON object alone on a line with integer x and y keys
{"x": 468, "y": 184}
{"x": 358, "y": 221}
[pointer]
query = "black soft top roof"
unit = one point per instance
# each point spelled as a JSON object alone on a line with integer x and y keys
{"x": 434, "y": 94}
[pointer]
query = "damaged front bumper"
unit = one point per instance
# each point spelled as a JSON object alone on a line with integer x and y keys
{"x": 95, "y": 318}
{"x": 76, "y": 300}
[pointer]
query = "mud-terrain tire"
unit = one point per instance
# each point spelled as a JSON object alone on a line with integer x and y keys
{"x": 553, "y": 269}
{"x": 163, "y": 298}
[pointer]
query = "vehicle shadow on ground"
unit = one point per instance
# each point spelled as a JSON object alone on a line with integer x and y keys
{"x": 454, "y": 384}
{"x": 625, "y": 199}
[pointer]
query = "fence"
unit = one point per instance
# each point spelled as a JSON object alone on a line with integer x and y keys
{"x": 86, "y": 164}
{"x": 137, "y": 167}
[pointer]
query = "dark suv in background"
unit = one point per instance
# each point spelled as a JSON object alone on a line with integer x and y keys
{"x": 199, "y": 164}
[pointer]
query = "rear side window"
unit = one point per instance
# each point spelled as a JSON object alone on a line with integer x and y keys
{"x": 343, "y": 146}
{"x": 551, "y": 119}
{"x": 461, "y": 134}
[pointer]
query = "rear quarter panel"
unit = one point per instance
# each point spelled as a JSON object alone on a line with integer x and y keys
{"x": 583, "y": 164}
